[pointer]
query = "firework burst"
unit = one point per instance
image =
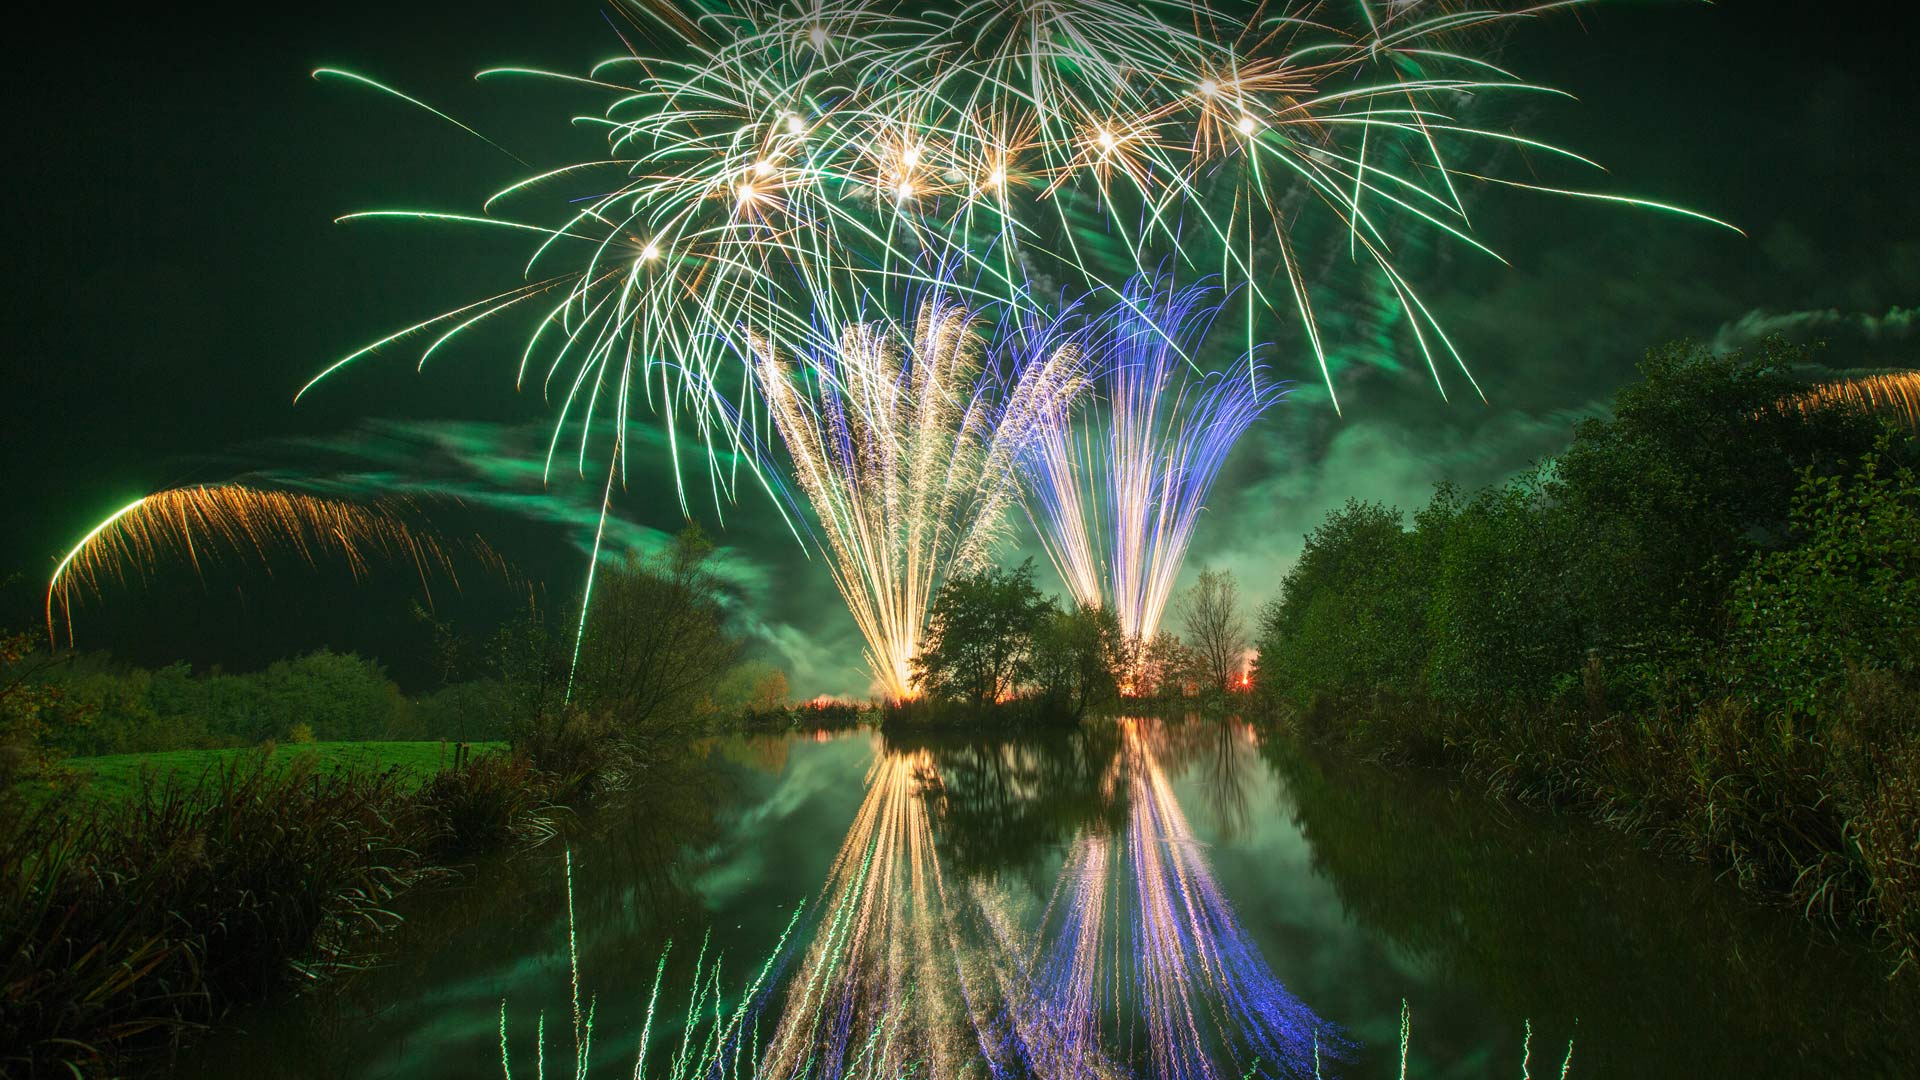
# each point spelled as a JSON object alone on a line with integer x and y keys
{"x": 778, "y": 160}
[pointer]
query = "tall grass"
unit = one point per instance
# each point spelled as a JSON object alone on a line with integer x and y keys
{"x": 125, "y": 929}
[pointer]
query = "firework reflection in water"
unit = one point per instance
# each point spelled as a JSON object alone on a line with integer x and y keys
{"x": 1137, "y": 965}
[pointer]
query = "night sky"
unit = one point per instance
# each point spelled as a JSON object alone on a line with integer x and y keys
{"x": 173, "y": 275}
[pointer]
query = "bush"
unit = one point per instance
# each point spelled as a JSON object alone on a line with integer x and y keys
{"x": 1846, "y": 597}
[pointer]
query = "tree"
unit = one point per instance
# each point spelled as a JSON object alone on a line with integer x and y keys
{"x": 1076, "y": 657}
{"x": 1216, "y": 630}
{"x": 980, "y": 632}
{"x": 26, "y": 703}
{"x": 1694, "y": 471}
{"x": 1846, "y": 599}
{"x": 1351, "y": 615}
{"x": 751, "y": 686}
{"x": 338, "y": 695}
{"x": 532, "y": 665}
{"x": 1157, "y": 668}
{"x": 656, "y": 639}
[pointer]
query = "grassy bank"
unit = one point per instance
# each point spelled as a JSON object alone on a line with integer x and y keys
{"x": 128, "y": 925}
{"x": 117, "y": 777}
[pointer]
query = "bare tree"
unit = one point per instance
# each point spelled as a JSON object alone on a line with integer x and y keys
{"x": 1215, "y": 629}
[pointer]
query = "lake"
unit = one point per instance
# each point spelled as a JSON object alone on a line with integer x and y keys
{"x": 1140, "y": 897}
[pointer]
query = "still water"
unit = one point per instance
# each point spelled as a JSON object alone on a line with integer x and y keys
{"x": 1138, "y": 898}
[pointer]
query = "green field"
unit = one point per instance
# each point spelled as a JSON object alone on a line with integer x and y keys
{"x": 118, "y": 776}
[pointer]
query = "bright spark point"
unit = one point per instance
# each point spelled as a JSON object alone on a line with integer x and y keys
{"x": 905, "y": 190}
{"x": 763, "y": 167}
{"x": 650, "y": 252}
{"x": 1247, "y": 125}
{"x": 1106, "y": 139}
{"x": 818, "y": 37}
{"x": 794, "y": 126}
{"x": 910, "y": 157}
{"x": 1209, "y": 87}
{"x": 745, "y": 192}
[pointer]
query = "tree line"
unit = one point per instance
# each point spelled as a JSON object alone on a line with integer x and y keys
{"x": 996, "y": 644}
{"x": 1702, "y": 619}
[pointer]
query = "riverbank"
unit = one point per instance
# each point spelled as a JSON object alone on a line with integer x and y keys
{"x": 1700, "y": 624}
{"x": 130, "y": 925}
{"x": 117, "y": 777}
{"x": 1825, "y": 824}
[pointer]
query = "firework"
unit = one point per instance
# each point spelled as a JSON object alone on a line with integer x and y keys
{"x": 1894, "y": 395}
{"x": 779, "y": 160}
{"x": 1116, "y": 487}
{"x": 224, "y": 522}
{"x": 907, "y": 445}
{"x": 773, "y": 167}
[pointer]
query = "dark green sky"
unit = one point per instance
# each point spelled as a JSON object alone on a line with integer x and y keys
{"x": 173, "y": 275}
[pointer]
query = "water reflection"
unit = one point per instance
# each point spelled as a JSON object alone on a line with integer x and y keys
{"x": 1135, "y": 965}
{"x": 1139, "y": 898}
{"x": 1145, "y": 959}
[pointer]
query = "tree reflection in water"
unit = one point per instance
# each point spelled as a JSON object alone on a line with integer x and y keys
{"x": 925, "y": 958}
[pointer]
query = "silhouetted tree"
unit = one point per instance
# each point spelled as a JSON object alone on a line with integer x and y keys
{"x": 1076, "y": 655}
{"x": 1216, "y": 630}
{"x": 980, "y": 633}
{"x": 656, "y": 640}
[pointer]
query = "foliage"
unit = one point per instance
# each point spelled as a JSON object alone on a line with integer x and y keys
{"x": 1846, "y": 596}
{"x": 749, "y": 687}
{"x": 1075, "y": 657}
{"x": 126, "y": 926}
{"x": 532, "y": 662}
{"x": 106, "y": 708}
{"x": 1351, "y": 613}
{"x": 1701, "y": 620}
{"x": 1160, "y": 668}
{"x": 124, "y": 929}
{"x": 656, "y": 642}
{"x": 980, "y": 636}
{"x": 471, "y": 711}
{"x": 115, "y": 778}
{"x": 1694, "y": 471}
{"x": 28, "y": 701}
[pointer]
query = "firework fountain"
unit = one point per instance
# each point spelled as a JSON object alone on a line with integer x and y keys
{"x": 907, "y": 445}
{"x": 1117, "y": 487}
